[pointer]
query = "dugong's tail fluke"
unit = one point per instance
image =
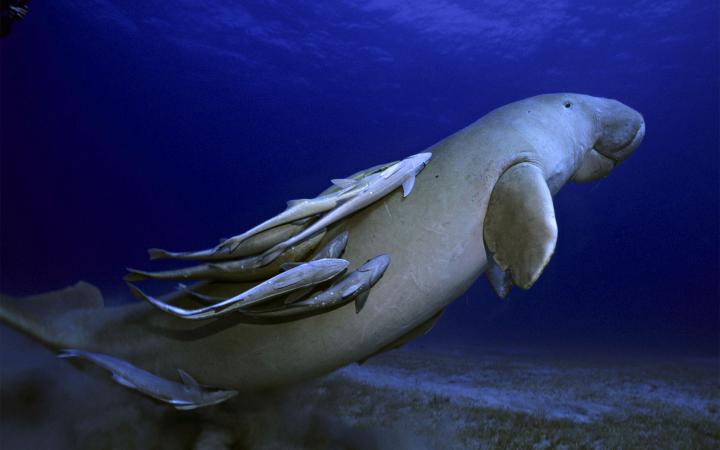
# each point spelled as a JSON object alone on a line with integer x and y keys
{"x": 20, "y": 320}
{"x": 46, "y": 317}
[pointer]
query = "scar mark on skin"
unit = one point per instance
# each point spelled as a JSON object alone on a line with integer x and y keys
{"x": 433, "y": 230}
{"x": 259, "y": 350}
{"x": 415, "y": 280}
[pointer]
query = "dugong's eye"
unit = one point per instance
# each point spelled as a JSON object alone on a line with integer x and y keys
{"x": 568, "y": 104}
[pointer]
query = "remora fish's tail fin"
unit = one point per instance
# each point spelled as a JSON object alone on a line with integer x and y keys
{"x": 136, "y": 275}
{"x": 158, "y": 253}
{"x": 44, "y": 317}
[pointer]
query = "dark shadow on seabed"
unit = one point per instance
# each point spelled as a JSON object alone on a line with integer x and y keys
{"x": 429, "y": 395}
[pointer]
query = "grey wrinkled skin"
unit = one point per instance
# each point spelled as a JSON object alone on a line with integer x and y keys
{"x": 435, "y": 237}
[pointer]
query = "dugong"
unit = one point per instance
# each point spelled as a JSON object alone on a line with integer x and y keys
{"x": 483, "y": 203}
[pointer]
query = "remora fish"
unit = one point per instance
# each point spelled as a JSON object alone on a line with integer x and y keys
{"x": 332, "y": 249}
{"x": 247, "y": 269}
{"x": 380, "y": 185}
{"x": 361, "y": 174}
{"x": 302, "y": 208}
{"x": 308, "y": 274}
{"x": 251, "y": 246}
{"x": 186, "y": 395}
{"x": 355, "y": 285}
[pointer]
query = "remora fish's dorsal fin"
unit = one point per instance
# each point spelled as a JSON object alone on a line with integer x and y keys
{"x": 408, "y": 186}
{"x": 500, "y": 281}
{"x": 344, "y": 183}
{"x": 187, "y": 379}
{"x": 520, "y": 229}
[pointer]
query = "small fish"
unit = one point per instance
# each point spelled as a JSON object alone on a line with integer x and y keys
{"x": 252, "y": 246}
{"x": 302, "y": 208}
{"x": 184, "y": 396}
{"x": 247, "y": 269}
{"x": 376, "y": 186}
{"x": 308, "y": 274}
{"x": 355, "y": 285}
{"x": 333, "y": 249}
{"x": 362, "y": 174}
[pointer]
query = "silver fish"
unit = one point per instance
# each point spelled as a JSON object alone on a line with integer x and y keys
{"x": 355, "y": 285}
{"x": 186, "y": 395}
{"x": 301, "y": 208}
{"x": 252, "y": 246}
{"x": 377, "y": 186}
{"x": 308, "y": 274}
{"x": 361, "y": 174}
{"x": 247, "y": 269}
{"x": 332, "y": 249}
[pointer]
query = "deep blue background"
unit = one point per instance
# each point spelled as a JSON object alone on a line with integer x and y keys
{"x": 127, "y": 125}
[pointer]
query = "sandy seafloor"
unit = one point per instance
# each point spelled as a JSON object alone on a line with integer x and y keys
{"x": 439, "y": 397}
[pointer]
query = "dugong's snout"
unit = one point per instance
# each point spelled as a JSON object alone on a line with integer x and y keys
{"x": 620, "y": 130}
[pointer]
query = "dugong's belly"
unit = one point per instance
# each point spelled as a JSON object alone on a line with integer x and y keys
{"x": 434, "y": 238}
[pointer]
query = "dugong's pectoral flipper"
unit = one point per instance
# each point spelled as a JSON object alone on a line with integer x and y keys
{"x": 520, "y": 228}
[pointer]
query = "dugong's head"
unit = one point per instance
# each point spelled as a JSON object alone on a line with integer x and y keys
{"x": 618, "y": 131}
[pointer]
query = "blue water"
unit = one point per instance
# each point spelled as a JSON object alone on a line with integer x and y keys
{"x": 127, "y": 125}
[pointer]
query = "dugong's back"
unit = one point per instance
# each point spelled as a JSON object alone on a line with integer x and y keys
{"x": 434, "y": 239}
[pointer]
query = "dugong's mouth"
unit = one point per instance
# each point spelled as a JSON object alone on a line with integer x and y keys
{"x": 600, "y": 160}
{"x": 621, "y": 153}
